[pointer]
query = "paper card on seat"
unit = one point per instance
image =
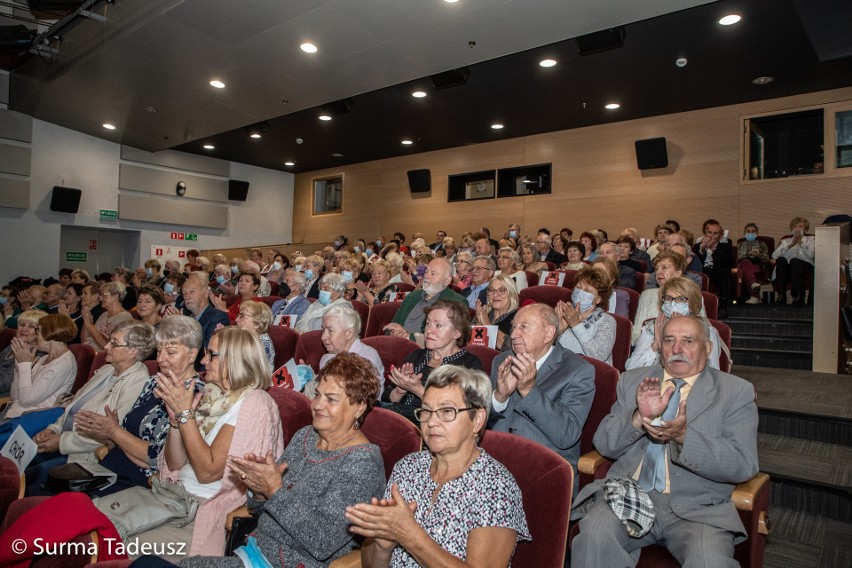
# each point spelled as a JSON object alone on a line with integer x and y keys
{"x": 286, "y": 376}
{"x": 552, "y": 278}
{"x": 485, "y": 335}
{"x": 396, "y": 296}
{"x": 287, "y": 320}
{"x": 20, "y": 448}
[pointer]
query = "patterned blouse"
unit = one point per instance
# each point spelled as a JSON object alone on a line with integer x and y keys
{"x": 486, "y": 495}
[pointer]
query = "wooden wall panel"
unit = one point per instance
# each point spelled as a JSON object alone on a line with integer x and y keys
{"x": 596, "y": 183}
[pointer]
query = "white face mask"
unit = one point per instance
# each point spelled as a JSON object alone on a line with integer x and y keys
{"x": 347, "y": 276}
{"x": 235, "y": 269}
{"x": 276, "y": 265}
{"x": 149, "y": 272}
{"x": 358, "y": 249}
{"x": 670, "y": 308}
{"x": 582, "y": 299}
{"x": 298, "y": 268}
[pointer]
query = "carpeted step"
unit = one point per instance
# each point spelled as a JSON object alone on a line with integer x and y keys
{"x": 771, "y": 312}
{"x": 798, "y": 539}
{"x": 779, "y": 328}
{"x": 772, "y": 358}
{"x": 772, "y": 343}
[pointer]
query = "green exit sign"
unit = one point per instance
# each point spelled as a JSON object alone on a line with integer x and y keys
{"x": 109, "y": 214}
{"x": 190, "y": 237}
{"x": 75, "y": 257}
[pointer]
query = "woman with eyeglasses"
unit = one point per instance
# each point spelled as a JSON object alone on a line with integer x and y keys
{"x": 509, "y": 263}
{"x": 112, "y": 390}
{"x": 500, "y": 310}
{"x": 27, "y": 335}
{"x": 248, "y": 284}
{"x": 256, "y": 317}
{"x": 96, "y": 332}
{"x": 679, "y": 296}
{"x": 451, "y": 502}
{"x": 585, "y": 327}
{"x": 446, "y": 334}
{"x": 463, "y": 270}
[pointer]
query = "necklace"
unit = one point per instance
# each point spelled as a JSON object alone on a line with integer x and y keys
{"x": 297, "y": 475}
{"x": 347, "y": 440}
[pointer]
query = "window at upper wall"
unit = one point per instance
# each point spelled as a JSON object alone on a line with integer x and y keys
{"x": 843, "y": 141}
{"x": 328, "y": 195}
{"x": 785, "y": 145}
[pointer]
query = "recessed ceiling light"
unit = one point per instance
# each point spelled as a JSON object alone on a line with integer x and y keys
{"x": 612, "y": 106}
{"x": 547, "y": 62}
{"x": 254, "y": 135}
{"x": 730, "y": 19}
{"x": 497, "y": 126}
{"x": 451, "y": 1}
{"x": 337, "y": 155}
{"x": 763, "y": 80}
{"x": 109, "y": 126}
{"x": 209, "y": 147}
{"x": 289, "y": 164}
{"x": 324, "y": 117}
{"x": 407, "y": 142}
{"x": 217, "y": 83}
{"x": 150, "y": 109}
{"x": 308, "y": 47}
{"x": 418, "y": 94}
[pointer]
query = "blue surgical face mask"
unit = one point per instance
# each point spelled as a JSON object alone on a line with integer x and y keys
{"x": 168, "y": 288}
{"x": 149, "y": 272}
{"x": 338, "y": 243}
{"x": 276, "y": 265}
{"x": 582, "y": 299}
{"x": 751, "y": 237}
{"x": 235, "y": 269}
{"x": 3, "y": 300}
{"x": 347, "y": 276}
{"x": 671, "y": 308}
{"x": 378, "y": 243}
{"x": 324, "y": 297}
{"x": 357, "y": 249}
{"x": 221, "y": 279}
{"x": 369, "y": 252}
{"x": 298, "y": 267}
{"x": 513, "y": 234}
{"x": 309, "y": 274}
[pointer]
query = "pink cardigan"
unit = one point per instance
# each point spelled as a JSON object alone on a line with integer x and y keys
{"x": 257, "y": 431}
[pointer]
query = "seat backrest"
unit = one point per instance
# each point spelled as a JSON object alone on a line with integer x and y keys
{"x": 231, "y": 300}
{"x": 310, "y": 349}
{"x": 621, "y": 348}
{"x": 485, "y": 354}
{"x": 152, "y": 366}
{"x": 6, "y": 337}
{"x": 274, "y": 287}
{"x": 725, "y": 335}
{"x": 393, "y": 434}
{"x": 269, "y": 300}
{"x": 363, "y": 312}
{"x": 284, "y": 340}
{"x": 532, "y": 278}
{"x": 550, "y": 266}
{"x": 570, "y": 278}
{"x": 85, "y": 355}
{"x": 633, "y": 302}
{"x": 606, "y": 380}
{"x": 392, "y": 350}
{"x": 549, "y": 295}
{"x": 546, "y": 481}
{"x": 295, "y": 410}
{"x": 405, "y": 287}
{"x": 10, "y": 484}
{"x": 711, "y": 305}
{"x": 98, "y": 362}
{"x": 705, "y": 281}
{"x": 380, "y": 316}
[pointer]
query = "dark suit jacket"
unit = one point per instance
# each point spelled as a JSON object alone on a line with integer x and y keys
{"x": 555, "y": 257}
{"x": 719, "y": 451}
{"x": 723, "y": 257}
{"x": 314, "y": 291}
{"x": 209, "y": 319}
{"x": 555, "y": 410}
{"x": 483, "y": 294}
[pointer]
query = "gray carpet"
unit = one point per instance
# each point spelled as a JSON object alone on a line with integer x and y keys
{"x": 804, "y": 540}
{"x": 804, "y": 392}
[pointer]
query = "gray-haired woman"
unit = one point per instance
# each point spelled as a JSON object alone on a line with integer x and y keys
{"x": 331, "y": 289}
{"x": 96, "y": 333}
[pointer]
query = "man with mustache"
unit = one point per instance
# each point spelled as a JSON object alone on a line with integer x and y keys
{"x": 410, "y": 320}
{"x": 686, "y": 434}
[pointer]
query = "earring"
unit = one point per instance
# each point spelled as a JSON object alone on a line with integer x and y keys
{"x": 357, "y": 424}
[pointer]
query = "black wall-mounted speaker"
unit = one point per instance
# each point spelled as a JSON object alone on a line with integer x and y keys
{"x": 237, "y": 190}
{"x": 419, "y": 181}
{"x": 651, "y": 154}
{"x": 604, "y": 40}
{"x": 65, "y": 199}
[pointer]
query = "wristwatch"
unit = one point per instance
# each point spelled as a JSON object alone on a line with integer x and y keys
{"x": 185, "y": 416}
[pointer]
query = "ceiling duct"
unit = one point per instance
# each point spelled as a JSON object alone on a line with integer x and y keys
{"x": 338, "y": 108}
{"x": 451, "y": 78}
{"x": 604, "y": 40}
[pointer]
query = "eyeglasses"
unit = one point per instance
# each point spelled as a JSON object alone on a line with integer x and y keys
{"x": 210, "y": 354}
{"x": 498, "y": 291}
{"x": 446, "y": 414}
{"x": 244, "y": 315}
{"x": 114, "y": 344}
{"x": 676, "y": 300}
{"x": 475, "y": 268}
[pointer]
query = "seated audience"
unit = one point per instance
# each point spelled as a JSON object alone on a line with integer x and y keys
{"x": 475, "y": 517}
{"x": 717, "y": 258}
{"x": 509, "y": 263}
{"x": 575, "y": 251}
{"x": 27, "y": 341}
{"x": 221, "y": 283}
{"x": 251, "y": 267}
{"x": 626, "y": 274}
{"x": 294, "y": 302}
{"x": 53, "y": 297}
{"x": 314, "y": 266}
{"x": 678, "y": 297}
{"x": 619, "y": 301}
{"x": 96, "y": 332}
{"x": 248, "y": 284}
{"x": 480, "y": 276}
{"x": 71, "y": 306}
{"x": 256, "y": 318}
{"x": 463, "y": 266}
{"x": 542, "y": 391}
{"x": 685, "y": 459}
{"x": 558, "y": 243}
{"x": 377, "y": 290}
{"x": 584, "y": 325}
{"x": 545, "y": 252}
{"x": 149, "y": 302}
{"x": 667, "y": 265}
{"x": 590, "y": 242}
{"x": 124, "y": 276}
{"x": 447, "y": 332}
{"x": 331, "y": 290}
{"x": 794, "y": 259}
{"x": 661, "y": 233}
{"x": 500, "y": 309}
{"x": 752, "y": 258}
{"x": 196, "y": 298}
{"x": 626, "y": 249}
{"x": 153, "y": 271}
{"x": 276, "y": 269}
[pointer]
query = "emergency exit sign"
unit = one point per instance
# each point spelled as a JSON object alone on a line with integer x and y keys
{"x": 109, "y": 214}
{"x": 75, "y": 257}
{"x": 184, "y": 237}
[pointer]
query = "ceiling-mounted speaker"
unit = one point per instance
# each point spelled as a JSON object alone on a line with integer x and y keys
{"x": 651, "y": 154}
{"x": 419, "y": 181}
{"x": 451, "y": 78}
{"x": 16, "y": 38}
{"x": 604, "y": 40}
{"x": 237, "y": 190}
{"x": 65, "y": 199}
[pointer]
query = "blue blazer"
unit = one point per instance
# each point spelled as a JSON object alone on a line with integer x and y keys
{"x": 210, "y": 318}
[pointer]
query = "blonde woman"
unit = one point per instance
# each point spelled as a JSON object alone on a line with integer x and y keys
{"x": 500, "y": 310}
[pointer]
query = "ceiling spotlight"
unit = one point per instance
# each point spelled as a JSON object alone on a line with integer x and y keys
{"x": 730, "y": 19}
{"x": 497, "y": 126}
{"x": 325, "y": 117}
{"x": 256, "y": 130}
{"x": 150, "y": 109}
{"x": 758, "y": 81}
{"x": 308, "y": 48}
{"x": 407, "y": 142}
{"x": 289, "y": 164}
{"x": 209, "y": 147}
{"x": 681, "y": 62}
{"x": 612, "y": 106}
{"x": 108, "y": 126}
{"x": 418, "y": 94}
{"x": 217, "y": 83}
{"x": 337, "y": 155}
{"x": 451, "y": 1}
{"x": 255, "y": 135}
{"x": 547, "y": 62}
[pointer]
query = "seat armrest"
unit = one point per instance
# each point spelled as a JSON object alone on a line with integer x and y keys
{"x": 101, "y": 452}
{"x": 238, "y": 512}
{"x": 348, "y": 560}
{"x": 589, "y": 463}
{"x": 745, "y": 494}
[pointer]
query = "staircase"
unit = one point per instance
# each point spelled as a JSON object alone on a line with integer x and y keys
{"x": 771, "y": 336}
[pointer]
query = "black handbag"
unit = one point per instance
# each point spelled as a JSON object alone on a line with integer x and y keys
{"x": 241, "y": 528}
{"x": 72, "y": 477}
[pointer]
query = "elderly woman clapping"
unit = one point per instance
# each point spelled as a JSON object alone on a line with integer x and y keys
{"x": 331, "y": 289}
{"x": 500, "y": 310}
{"x": 256, "y": 318}
{"x": 451, "y": 502}
{"x": 96, "y": 333}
